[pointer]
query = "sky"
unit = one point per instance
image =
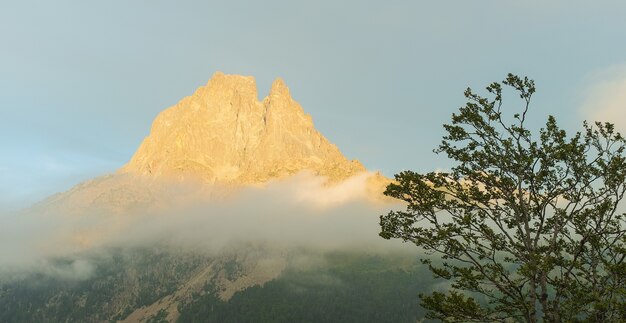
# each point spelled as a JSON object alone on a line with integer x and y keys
{"x": 81, "y": 81}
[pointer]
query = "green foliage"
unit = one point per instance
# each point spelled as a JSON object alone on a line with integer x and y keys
{"x": 160, "y": 317}
{"x": 454, "y": 306}
{"x": 528, "y": 224}
{"x": 123, "y": 281}
{"x": 334, "y": 287}
{"x": 349, "y": 288}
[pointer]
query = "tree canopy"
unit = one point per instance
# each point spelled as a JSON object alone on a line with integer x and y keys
{"x": 528, "y": 224}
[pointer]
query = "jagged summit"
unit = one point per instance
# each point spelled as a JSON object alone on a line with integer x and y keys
{"x": 222, "y": 133}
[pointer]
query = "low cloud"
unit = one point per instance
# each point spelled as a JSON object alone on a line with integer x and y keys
{"x": 300, "y": 212}
{"x": 605, "y": 100}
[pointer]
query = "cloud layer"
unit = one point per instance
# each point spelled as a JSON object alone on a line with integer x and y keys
{"x": 300, "y": 212}
{"x": 605, "y": 101}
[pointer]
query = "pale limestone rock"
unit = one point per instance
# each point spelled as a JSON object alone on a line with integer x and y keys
{"x": 210, "y": 144}
{"x": 223, "y": 134}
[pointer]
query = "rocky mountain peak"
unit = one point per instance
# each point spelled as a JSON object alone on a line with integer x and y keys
{"x": 222, "y": 87}
{"x": 279, "y": 89}
{"x": 222, "y": 133}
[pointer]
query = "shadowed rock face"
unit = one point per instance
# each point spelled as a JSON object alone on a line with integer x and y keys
{"x": 223, "y": 134}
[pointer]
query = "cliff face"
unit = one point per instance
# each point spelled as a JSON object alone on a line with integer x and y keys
{"x": 209, "y": 144}
{"x": 223, "y": 134}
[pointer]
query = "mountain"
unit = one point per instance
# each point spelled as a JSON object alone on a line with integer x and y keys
{"x": 220, "y": 138}
{"x": 156, "y": 286}
{"x": 222, "y": 133}
{"x": 231, "y": 210}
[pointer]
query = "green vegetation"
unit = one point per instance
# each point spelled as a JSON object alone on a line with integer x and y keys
{"x": 160, "y": 317}
{"x": 333, "y": 287}
{"x": 123, "y": 281}
{"x": 350, "y": 287}
{"x": 527, "y": 223}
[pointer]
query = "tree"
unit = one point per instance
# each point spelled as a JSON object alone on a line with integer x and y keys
{"x": 527, "y": 224}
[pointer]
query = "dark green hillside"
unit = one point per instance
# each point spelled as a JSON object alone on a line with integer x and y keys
{"x": 121, "y": 282}
{"x": 314, "y": 287}
{"x": 349, "y": 287}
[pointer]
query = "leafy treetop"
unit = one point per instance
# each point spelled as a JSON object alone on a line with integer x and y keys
{"x": 527, "y": 224}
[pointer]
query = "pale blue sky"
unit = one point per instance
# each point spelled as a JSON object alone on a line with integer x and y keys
{"x": 81, "y": 81}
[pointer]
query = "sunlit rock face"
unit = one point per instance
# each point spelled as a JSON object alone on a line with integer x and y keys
{"x": 223, "y": 134}
{"x": 216, "y": 141}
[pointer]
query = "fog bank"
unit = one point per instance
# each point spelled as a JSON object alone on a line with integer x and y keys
{"x": 301, "y": 212}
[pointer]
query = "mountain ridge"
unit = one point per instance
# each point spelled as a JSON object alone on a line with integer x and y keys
{"x": 223, "y": 134}
{"x": 210, "y": 144}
